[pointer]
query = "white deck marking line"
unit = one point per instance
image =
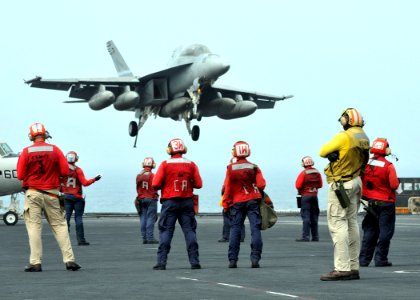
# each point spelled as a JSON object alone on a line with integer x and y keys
{"x": 240, "y": 287}
{"x": 230, "y": 285}
{"x": 282, "y": 294}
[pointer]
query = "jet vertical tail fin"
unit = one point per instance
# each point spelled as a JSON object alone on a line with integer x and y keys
{"x": 119, "y": 62}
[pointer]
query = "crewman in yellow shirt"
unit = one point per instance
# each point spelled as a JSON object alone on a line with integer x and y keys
{"x": 348, "y": 153}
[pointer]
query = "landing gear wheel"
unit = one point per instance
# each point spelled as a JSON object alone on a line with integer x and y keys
{"x": 133, "y": 128}
{"x": 10, "y": 218}
{"x": 195, "y": 133}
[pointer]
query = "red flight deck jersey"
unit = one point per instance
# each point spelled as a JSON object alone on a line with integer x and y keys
{"x": 242, "y": 183}
{"x": 41, "y": 165}
{"x": 73, "y": 182}
{"x": 177, "y": 177}
{"x": 383, "y": 180}
{"x": 308, "y": 182}
{"x": 144, "y": 185}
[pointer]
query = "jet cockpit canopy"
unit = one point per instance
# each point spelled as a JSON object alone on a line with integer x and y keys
{"x": 6, "y": 151}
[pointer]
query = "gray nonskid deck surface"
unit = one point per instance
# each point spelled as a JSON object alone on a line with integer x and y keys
{"x": 118, "y": 266}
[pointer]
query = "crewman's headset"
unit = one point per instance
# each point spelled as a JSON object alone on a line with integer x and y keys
{"x": 176, "y": 146}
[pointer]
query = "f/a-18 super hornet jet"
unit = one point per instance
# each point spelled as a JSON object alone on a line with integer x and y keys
{"x": 184, "y": 91}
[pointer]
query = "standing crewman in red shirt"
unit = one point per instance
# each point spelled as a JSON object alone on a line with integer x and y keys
{"x": 40, "y": 167}
{"x": 307, "y": 183}
{"x": 177, "y": 177}
{"x": 146, "y": 201}
{"x": 379, "y": 184}
{"x": 71, "y": 186}
{"x": 241, "y": 198}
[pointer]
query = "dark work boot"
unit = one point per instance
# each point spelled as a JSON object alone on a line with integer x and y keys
{"x": 232, "y": 264}
{"x": 159, "y": 267}
{"x": 33, "y": 268}
{"x": 72, "y": 266}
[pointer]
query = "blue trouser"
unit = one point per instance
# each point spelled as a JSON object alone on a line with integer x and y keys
{"x": 377, "y": 233}
{"x": 226, "y": 228}
{"x": 182, "y": 210}
{"x": 237, "y": 214}
{"x": 148, "y": 218}
{"x": 77, "y": 205}
{"x": 309, "y": 212}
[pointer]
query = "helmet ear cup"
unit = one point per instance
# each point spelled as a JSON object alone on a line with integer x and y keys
{"x": 344, "y": 120}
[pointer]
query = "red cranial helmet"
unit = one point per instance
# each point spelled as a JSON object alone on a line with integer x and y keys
{"x": 35, "y": 130}
{"x": 241, "y": 149}
{"x": 149, "y": 162}
{"x": 307, "y": 161}
{"x": 176, "y": 146}
{"x": 380, "y": 146}
{"x": 72, "y": 157}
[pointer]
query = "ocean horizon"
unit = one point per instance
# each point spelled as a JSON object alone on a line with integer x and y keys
{"x": 116, "y": 191}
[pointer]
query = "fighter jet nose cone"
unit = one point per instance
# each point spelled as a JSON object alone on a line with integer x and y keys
{"x": 225, "y": 67}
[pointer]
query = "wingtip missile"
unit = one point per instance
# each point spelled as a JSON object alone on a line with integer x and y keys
{"x": 287, "y": 97}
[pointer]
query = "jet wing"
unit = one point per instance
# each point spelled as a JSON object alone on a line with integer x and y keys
{"x": 86, "y": 88}
{"x": 262, "y": 100}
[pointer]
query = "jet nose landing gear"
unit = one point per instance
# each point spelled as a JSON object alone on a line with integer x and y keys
{"x": 133, "y": 129}
{"x": 195, "y": 133}
{"x": 10, "y": 218}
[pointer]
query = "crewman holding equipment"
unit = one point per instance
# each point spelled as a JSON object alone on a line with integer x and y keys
{"x": 241, "y": 198}
{"x": 348, "y": 153}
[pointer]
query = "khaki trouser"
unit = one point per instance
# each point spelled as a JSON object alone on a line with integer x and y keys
{"x": 35, "y": 204}
{"x": 343, "y": 226}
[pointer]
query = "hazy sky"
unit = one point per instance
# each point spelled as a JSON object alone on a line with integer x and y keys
{"x": 329, "y": 54}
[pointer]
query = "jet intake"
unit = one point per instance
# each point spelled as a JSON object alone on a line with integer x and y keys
{"x": 241, "y": 109}
{"x": 101, "y": 100}
{"x": 217, "y": 106}
{"x": 174, "y": 107}
{"x": 126, "y": 100}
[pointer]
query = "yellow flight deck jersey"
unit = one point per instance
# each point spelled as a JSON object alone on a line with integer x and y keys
{"x": 353, "y": 148}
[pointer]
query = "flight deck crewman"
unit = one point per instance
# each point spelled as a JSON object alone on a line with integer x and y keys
{"x": 146, "y": 201}
{"x": 40, "y": 167}
{"x": 307, "y": 183}
{"x": 380, "y": 182}
{"x": 348, "y": 153}
{"x": 177, "y": 177}
{"x": 241, "y": 198}
{"x": 71, "y": 186}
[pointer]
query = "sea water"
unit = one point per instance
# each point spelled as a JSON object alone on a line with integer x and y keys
{"x": 116, "y": 191}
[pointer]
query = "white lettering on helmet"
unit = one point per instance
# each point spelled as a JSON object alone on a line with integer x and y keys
{"x": 242, "y": 150}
